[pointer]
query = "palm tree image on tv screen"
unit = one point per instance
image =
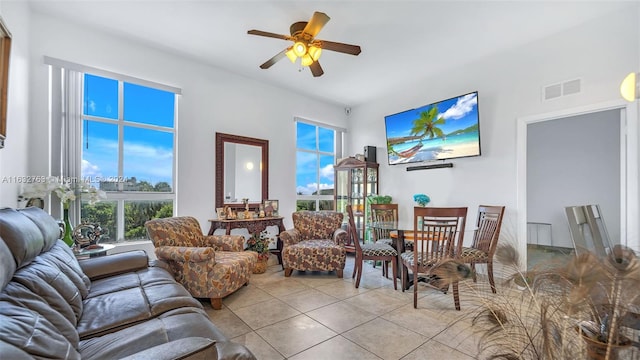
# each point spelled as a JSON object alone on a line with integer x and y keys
{"x": 443, "y": 130}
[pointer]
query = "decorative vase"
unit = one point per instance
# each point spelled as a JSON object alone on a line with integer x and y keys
{"x": 261, "y": 265}
{"x": 85, "y": 235}
{"x": 597, "y": 350}
{"x": 68, "y": 230}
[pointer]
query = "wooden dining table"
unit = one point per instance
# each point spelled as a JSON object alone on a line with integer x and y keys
{"x": 400, "y": 238}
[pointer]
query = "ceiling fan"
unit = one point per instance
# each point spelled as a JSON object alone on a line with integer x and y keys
{"x": 305, "y": 45}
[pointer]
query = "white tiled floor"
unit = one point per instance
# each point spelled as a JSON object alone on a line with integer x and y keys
{"x": 319, "y": 316}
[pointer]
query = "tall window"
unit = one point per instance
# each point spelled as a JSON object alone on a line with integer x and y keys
{"x": 317, "y": 148}
{"x": 128, "y": 150}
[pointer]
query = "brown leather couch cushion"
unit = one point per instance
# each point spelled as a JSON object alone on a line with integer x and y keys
{"x": 51, "y": 309}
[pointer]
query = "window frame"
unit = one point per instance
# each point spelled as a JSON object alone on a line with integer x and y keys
{"x": 338, "y": 145}
{"x": 66, "y": 95}
{"x": 120, "y": 196}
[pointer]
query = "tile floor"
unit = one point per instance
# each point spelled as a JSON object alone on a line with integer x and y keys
{"x": 319, "y": 316}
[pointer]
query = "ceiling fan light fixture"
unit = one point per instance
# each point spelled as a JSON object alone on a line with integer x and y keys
{"x": 291, "y": 55}
{"x": 629, "y": 88}
{"x": 304, "y": 44}
{"x": 300, "y": 49}
{"x": 306, "y": 60}
{"x": 315, "y": 52}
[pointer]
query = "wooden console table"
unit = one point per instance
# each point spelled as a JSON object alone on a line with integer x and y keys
{"x": 254, "y": 226}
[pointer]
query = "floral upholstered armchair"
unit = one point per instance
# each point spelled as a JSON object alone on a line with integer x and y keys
{"x": 316, "y": 243}
{"x": 211, "y": 266}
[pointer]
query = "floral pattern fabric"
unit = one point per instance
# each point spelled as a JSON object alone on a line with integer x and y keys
{"x": 316, "y": 243}
{"x": 207, "y": 266}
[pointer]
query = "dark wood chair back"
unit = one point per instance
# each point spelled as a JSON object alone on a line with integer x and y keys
{"x": 488, "y": 226}
{"x": 438, "y": 233}
{"x": 383, "y": 212}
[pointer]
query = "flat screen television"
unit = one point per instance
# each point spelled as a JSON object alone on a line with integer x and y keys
{"x": 443, "y": 130}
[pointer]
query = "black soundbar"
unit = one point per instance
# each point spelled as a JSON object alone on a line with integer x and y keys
{"x": 426, "y": 167}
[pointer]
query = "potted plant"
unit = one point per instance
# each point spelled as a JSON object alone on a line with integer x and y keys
{"x": 378, "y": 199}
{"x": 583, "y": 306}
{"x": 260, "y": 244}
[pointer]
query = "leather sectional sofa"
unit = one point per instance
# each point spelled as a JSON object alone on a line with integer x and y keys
{"x": 118, "y": 306}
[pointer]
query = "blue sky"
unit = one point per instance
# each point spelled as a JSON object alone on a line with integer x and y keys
{"x": 307, "y": 175}
{"x": 148, "y": 154}
{"x": 459, "y": 112}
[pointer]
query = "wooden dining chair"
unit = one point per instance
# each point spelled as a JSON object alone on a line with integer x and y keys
{"x": 383, "y": 213}
{"x": 485, "y": 241}
{"x": 437, "y": 235}
{"x": 371, "y": 251}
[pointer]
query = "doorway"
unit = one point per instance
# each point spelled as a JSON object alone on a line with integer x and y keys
{"x": 563, "y": 162}
{"x": 573, "y": 160}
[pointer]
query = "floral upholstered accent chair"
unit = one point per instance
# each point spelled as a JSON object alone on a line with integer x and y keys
{"x": 316, "y": 243}
{"x": 211, "y": 266}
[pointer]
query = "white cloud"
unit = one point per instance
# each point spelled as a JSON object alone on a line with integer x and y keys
{"x": 89, "y": 169}
{"x": 145, "y": 162}
{"x": 327, "y": 172}
{"x": 463, "y": 106}
{"x": 146, "y": 151}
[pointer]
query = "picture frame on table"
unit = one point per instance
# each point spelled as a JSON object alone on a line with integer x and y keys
{"x": 270, "y": 207}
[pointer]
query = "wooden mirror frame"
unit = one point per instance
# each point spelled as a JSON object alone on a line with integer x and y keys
{"x": 5, "y": 53}
{"x": 221, "y": 139}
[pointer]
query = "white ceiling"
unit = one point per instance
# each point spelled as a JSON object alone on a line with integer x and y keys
{"x": 402, "y": 41}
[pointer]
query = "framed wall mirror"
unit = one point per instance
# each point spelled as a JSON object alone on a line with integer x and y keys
{"x": 242, "y": 171}
{"x": 5, "y": 52}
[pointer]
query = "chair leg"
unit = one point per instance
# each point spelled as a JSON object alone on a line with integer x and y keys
{"x": 355, "y": 268}
{"x": 456, "y": 296}
{"x": 403, "y": 277}
{"x": 288, "y": 271}
{"x": 339, "y": 273}
{"x": 279, "y": 255}
{"x": 394, "y": 266}
{"x": 473, "y": 271}
{"x": 415, "y": 289}
{"x": 385, "y": 269}
{"x": 216, "y": 303}
{"x": 490, "y": 273}
{"x": 359, "y": 273}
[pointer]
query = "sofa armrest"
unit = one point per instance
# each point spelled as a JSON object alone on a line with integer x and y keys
{"x": 186, "y": 254}
{"x": 104, "y": 266}
{"x": 187, "y": 348}
{"x": 290, "y": 237}
{"x": 340, "y": 236}
{"x": 225, "y": 242}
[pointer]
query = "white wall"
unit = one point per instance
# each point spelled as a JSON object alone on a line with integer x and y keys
{"x": 574, "y": 161}
{"x": 600, "y": 52}
{"x": 13, "y": 158}
{"x": 212, "y": 101}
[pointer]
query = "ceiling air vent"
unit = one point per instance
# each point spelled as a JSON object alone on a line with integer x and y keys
{"x": 565, "y": 88}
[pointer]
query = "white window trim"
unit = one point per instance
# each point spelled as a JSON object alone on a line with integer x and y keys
{"x": 338, "y": 151}
{"x": 65, "y": 161}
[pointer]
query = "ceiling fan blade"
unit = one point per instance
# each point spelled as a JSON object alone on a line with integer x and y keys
{"x": 339, "y": 47}
{"x": 273, "y": 60}
{"x": 316, "y": 69}
{"x": 269, "y": 34}
{"x": 317, "y": 22}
